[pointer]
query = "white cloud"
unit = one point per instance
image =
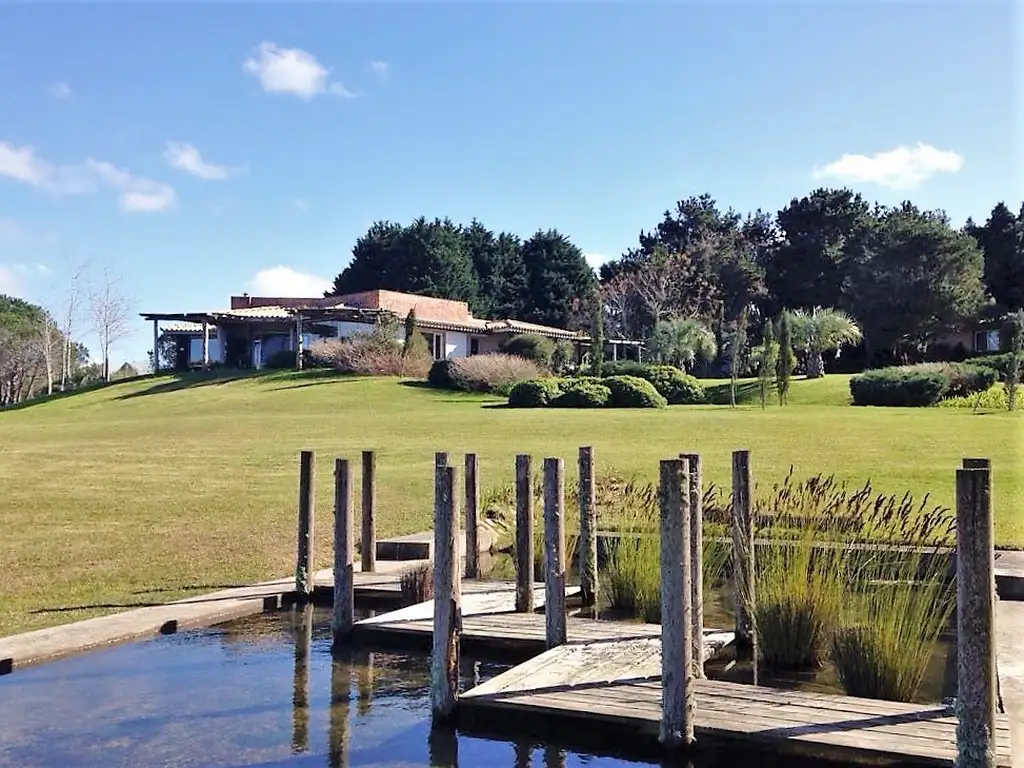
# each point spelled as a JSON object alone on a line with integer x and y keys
{"x": 595, "y": 260}
{"x": 186, "y": 157}
{"x": 137, "y": 193}
{"x": 292, "y": 70}
{"x": 62, "y": 91}
{"x": 900, "y": 168}
{"x": 10, "y": 283}
{"x": 286, "y": 282}
{"x": 380, "y": 69}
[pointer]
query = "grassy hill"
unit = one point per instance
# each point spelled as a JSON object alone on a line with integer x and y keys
{"x": 153, "y": 489}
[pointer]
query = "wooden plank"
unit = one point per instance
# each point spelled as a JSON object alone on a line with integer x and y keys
{"x": 620, "y": 682}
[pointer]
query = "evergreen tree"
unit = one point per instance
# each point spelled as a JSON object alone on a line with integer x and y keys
{"x": 767, "y": 359}
{"x": 786, "y": 361}
{"x": 558, "y": 279}
{"x": 737, "y": 344}
{"x": 415, "y": 348}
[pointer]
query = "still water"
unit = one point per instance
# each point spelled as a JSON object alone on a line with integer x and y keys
{"x": 263, "y": 691}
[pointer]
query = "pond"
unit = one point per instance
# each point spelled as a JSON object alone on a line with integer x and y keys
{"x": 264, "y": 691}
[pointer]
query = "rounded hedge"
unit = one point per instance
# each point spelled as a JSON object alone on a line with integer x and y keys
{"x": 532, "y": 346}
{"x": 675, "y": 386}
{"x": 900, "y": 388}
{"x": 535, "y": 393}
{"x": 442, "y": 375}
{"x": 625, "y": 368}
{"x": 966, "y": 380}
{"x": 633, "y": 392}
{"x": 583, "y": 394}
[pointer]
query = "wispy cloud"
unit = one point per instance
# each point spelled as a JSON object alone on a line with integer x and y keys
{"x": 900, "y": 168}
{"x": 62, "y": 91}
{"x": 22, "y": 164}
{"x": 380, "y": 69}
{"x": 14, "y": 278}
{"x": 595, "y": 260}
{"x": 286, "y": 282}
{"x": 293, "y": 71}
{"x": 185, "y": 157}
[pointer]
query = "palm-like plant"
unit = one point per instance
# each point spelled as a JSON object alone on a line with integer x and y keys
{"x": 819, "y": 331}
{"x": 681, "y": 341}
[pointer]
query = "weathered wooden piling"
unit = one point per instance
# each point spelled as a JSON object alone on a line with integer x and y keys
{"x": 304, "y": 554}
{"x": 554, "y": 552}
{"x": 696, "y": 493}
{"x": 743, "y": 550}
{"x": 524, "y": 533}
{"x": 343, "y": 612}
{"x": 368, "y": 545}
{"x": 588, "y": 527}
{"x": 975, "y": 596}
{"x": 472, "y": 516}
{"x": 677, "y": 709}
{"x": 444, "y": 669}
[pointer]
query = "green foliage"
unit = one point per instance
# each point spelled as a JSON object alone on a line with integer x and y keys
{"x": 676, "y": 387}
{"x": 559, "y": 282}
{"x": 415, "y": 348}
{"x": 633, "y": 392}
{"x": 786, "y": 362}
{"x": 563, "y": 357}
{"x": 597, "y": 333}
{"x": 1000, "y": 240}
{"x": 765, "y": 360}
{"x": 999, "y": 363}
{"x": 582, "y": 393}
{"x": 994, "y": 399}
{"x": 898, "y": 387}
{"x": 737, "y": 348}
{"x": 283, "y": 359}
{"x": 961, "y": 380}
{"x": 499, "y": 269}
{"x": 819, "y": 331}
{"x": 442, "y": 375}
{"x": 1016, "y": 355}
{"x": 627, "y": 368}
{"x": 531, "y": 346}
{"x": 681, "y": 342}
{"x": 534, "y": 394}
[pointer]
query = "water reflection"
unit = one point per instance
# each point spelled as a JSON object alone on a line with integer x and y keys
{"x": 300, "y": 692}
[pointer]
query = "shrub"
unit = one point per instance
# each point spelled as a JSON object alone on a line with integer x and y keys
{"x": 995, "y": 398}
{"x": 963, "y": 379}
{"x": 564, "y": 357}
{"x": 1000, "y": 363}
{"x": 365, "y": 356}
{"x": 539, "y": 349}
{"x": 625, "y": 368}
{"x": 633, "y": 392}
{"x": 496, "y": 373}
{"x": 442, "y": 375}
{"x": 280, "y": 360}
{"x": 417, "y": 585}
{"x": 534, "y": 394}
{"x": 898, "y": 387}
{"x": 675, "y": 386}
{"x": 582, "y": 394}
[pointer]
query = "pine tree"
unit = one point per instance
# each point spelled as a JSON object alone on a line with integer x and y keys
{"x": 786, "y": 361}
{"x": 736, "y": 346}
{"x": 766, "y": 364}
{"x": 415, "y": 348}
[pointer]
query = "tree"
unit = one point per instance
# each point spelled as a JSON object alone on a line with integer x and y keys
{"x": 1002, "y": 242}
{"x": 766, "y": 359}
{"x": 374, "y": 263}
{"x": 498, "y": 265}
{"x": 48, "y": 338}
{"x": 824, "y": 236}
{"x": 618, "y": 298}
{"x": 786, "y": 361}
{"x": 597, "y": 332}
{"x": 415, "y": 348}
{"x": 111, "y": 312}
{"x": 69, "y": 314}
{"x": 680, "y": 342}
{"x": 819, "y": 331}
{"x": 1016, "y": 355}
{"x": 557, "y": 279}
{"x": 919, "y": 277}
{"x": 21, "y": 361}
{"x": 737, "y": 346}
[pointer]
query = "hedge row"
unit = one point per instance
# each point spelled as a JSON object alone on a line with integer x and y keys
{"x": 677, "y": 387}
{"x": 920, "y": 385}
{"x": 587, "y": 392}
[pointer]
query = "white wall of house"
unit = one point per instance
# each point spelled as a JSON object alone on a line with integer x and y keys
{"x": 488, "y": 345}
{"x": 348, "y": 329}
{"x": 456, "y": 344}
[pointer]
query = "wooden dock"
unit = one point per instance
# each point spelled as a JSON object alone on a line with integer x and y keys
{"x": 616, "y": 684}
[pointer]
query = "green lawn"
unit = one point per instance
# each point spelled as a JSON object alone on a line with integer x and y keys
{"x": 150, "y": 490}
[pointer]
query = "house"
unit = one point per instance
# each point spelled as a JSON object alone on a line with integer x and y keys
{"x": 256, "y": 327}
{"x": 988, "y": 333}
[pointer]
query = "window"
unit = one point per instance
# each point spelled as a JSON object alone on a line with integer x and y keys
{"x": 986, "y": 341}
{"x": 435, "y": 343}
{"x": 474, "y": 346}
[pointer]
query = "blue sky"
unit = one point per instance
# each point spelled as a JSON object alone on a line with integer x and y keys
{"x": 200, "y": 150}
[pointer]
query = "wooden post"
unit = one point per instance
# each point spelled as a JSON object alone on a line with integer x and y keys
{"x": 300, "y": 689}
{"x": 368, "y": 555}
{"x": 696, "y": 492}
{"x": 554, "y": 552}
{"x": 588, "y": 528}
{"x": 444, "y": 669}
{"x": 744, "y": 593}
{"x": 524, "y": 533}
{"x": 472, "y": 522}
{"x": 343, "y": 613}
{"x": 676, "y": 622}
{"x": 304, "y": 560}
{"x": 156, "y": 348}
{"x": 975, "y": 597}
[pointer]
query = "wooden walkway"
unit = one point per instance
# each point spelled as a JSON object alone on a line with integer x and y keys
{"x": 618, "y": 683}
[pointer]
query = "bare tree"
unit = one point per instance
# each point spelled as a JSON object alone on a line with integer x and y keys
{"x": 111, "y": 312}
{"x": 618, "y": 295}
{"x": 69, "y": 315}
{"x": 48, "y": 337}
{"x": 654, "y": 283}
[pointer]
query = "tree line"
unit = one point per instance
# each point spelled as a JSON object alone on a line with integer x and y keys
{"x": 40, "y": 350}
{"x": 899, "y": 274}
